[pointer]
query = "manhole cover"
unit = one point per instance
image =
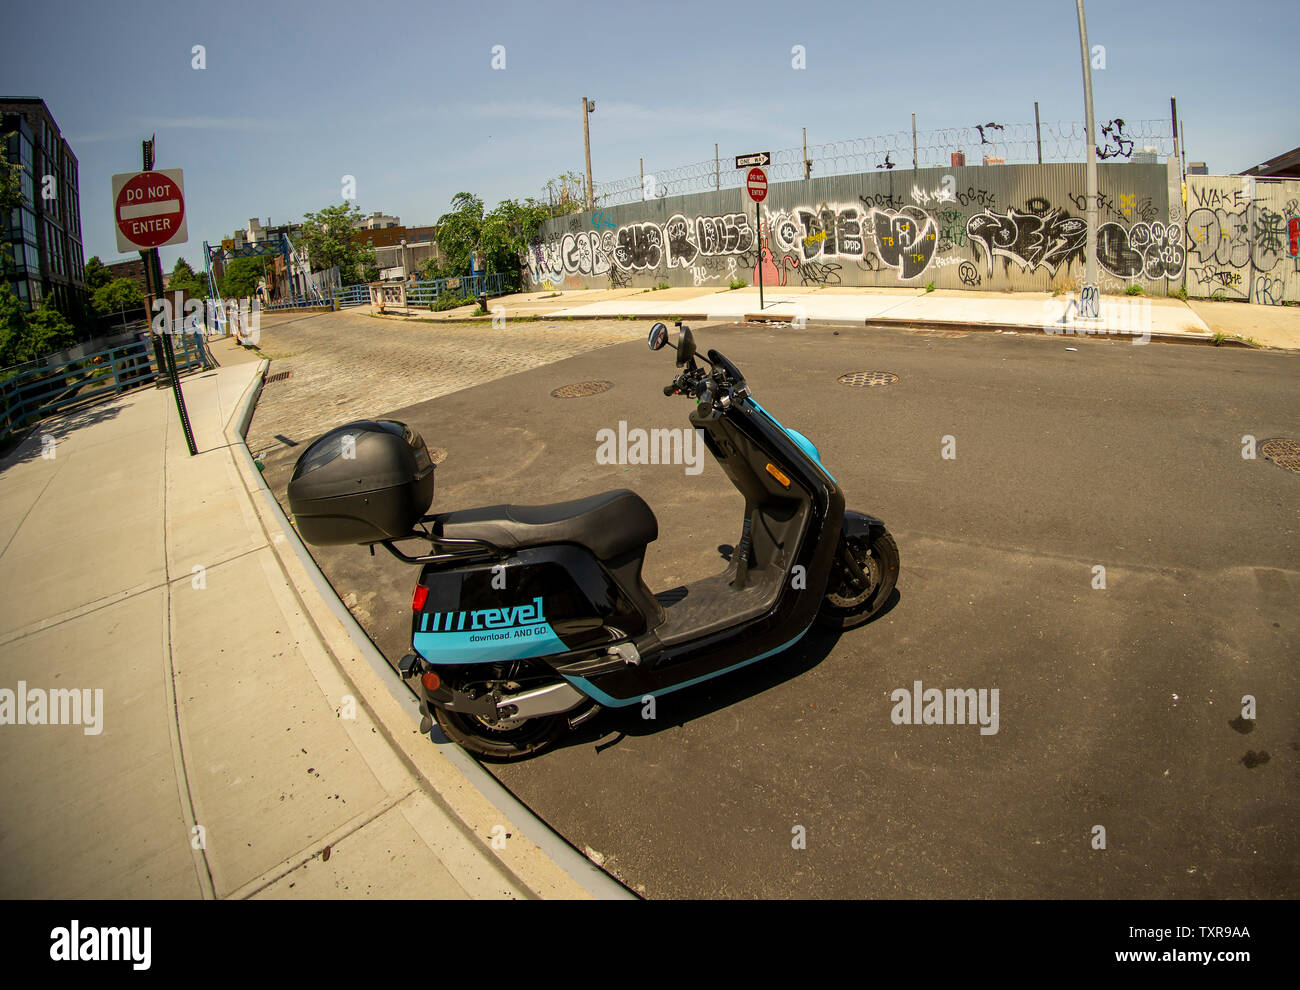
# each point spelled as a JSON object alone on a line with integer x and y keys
{"x": 579, "y": 389}
{"x": 865, "y": 379}
{"x": 1284, "y": 452}
{"x": 281, "y": 376}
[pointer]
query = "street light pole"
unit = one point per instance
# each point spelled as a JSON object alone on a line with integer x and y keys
{"x": 1089, "y": 301}
{"x": 587, "y": 108}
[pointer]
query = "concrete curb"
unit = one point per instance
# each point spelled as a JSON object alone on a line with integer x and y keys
{"x": 870, "y": 323}
{"x": 400, "y": 704}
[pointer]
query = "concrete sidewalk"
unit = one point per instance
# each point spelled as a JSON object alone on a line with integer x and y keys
{"x": 237, "y": 739}
{"x": 1169, "y": 318}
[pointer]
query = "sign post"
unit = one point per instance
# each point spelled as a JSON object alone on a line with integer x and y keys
{"x": 756, "y": 186}
{"x": 149, "y": 213}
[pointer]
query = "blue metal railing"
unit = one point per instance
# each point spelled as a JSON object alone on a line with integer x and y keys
{"x": 469, "y": 286}
{"x": 420, "y": 293}
{"x": 30, "y": 394}
{"x": 353, "y": 295}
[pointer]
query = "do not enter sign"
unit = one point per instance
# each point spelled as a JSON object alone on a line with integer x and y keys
{"x": 149, "y": 209}
{"x": 756, "y": 183}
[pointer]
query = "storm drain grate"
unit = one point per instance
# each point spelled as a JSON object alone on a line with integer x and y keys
{"x": 279, "y": 377}
{"x": 579, "y": 389}
{"x": 866, "y": 379}
{"x": 1284, "y": 452}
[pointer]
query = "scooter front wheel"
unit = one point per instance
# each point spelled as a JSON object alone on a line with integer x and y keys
{"x": 505, "y": 741}
{"x": 855, "y": 595}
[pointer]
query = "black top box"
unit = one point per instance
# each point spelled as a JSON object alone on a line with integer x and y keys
{"x": 362, "y": 482}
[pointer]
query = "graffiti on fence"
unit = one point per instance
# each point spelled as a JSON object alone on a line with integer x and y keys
{"x": 819, "y": 273}
{"x": 1145, "y": 250}
{"x": 906, "y": 239}
{"x": 1046, "y": 239}
{"x": 829, "y": 231}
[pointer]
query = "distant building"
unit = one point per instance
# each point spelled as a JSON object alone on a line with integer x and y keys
{"x": 42, "y": 237}
{"x": 1147, "y": 156}
{"x": 992, "y": 160}
{"x": 958, "y": 158}
{"x": 1284, "y": 166}
{"x": 1197, "y": 168}
{"x": 134, "y": 270}
{"x": 377, "y": 221}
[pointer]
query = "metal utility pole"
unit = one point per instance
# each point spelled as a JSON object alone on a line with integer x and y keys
{"x": 913, "y": 142}
{"x": 1089, "y": 300}
{"x": 587, "y": 108}
{"x": 162, "y": 342}
{"x": 642, "y": 161}
{"x": 717, "y": 175}
{"x": 1182, "y": 130}
{"x": 805, "y": 153}
{"x": 1038, "y": 133}
{"x": 1173, "y": 120}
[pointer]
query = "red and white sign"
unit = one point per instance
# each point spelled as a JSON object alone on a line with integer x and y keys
{"x": 149, "y": 209}
{"x": 756, "y": 183}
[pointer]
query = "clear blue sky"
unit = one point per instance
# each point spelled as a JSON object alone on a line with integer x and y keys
{"x": 403, "y": 96}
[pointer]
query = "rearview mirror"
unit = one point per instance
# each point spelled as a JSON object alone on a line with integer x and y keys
{"x": 685, "y": 347}
{"x": 658, "y": 336}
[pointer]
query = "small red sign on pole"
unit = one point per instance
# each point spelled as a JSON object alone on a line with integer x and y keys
{"x": 149, "y": 209}
{"x": 756, "y": 183}
{"x": 1293, "y": 228}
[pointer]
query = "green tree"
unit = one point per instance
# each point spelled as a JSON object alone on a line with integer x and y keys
{"x": 117, "y": 296}
{"x": 97, "y": 276}
{"x": 186, "y": 279}
{"x": 457, "y": 233}
{"x": 240, "y": 278}
{"x": 48, "y": 330}
{"x": 501, "y": 236}
{"x": 13, "y": 325}
{"x": 11, "y": 190}
{"x": 28, "y": 336}
{"x": 330, "y": 237}
{"x": 562, "y": 200}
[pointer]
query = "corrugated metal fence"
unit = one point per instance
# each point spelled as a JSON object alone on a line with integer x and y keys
{"x": 1240, "y": 234}
{"x": 980, "y": 227}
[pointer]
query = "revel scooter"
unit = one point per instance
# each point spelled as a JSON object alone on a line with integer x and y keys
{"x": 527, "y": 620}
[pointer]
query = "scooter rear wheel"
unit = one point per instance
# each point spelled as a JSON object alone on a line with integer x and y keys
{"x": 848, "y": 604}
{"x": 512, "y": 741}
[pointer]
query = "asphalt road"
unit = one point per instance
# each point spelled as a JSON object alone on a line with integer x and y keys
{"x": 1118, "y": 707}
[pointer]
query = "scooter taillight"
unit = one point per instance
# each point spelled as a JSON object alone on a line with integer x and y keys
{"x": 419, "y": 598}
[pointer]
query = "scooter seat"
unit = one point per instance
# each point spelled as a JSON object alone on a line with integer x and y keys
{"x": 608, "y": 524}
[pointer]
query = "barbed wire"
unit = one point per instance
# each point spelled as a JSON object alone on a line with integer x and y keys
{"x": 1062, "y": 141}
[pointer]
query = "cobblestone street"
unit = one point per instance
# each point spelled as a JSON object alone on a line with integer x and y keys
{"x": 351, "y": 365}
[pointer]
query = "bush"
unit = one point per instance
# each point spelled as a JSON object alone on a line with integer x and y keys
{"x": 663, "y": 285}
{"x": 1180, "y": 293}
{"x": 737, "y": 283}
{"x": 929, "y": 287}
{"x": 1133, "y": 290}
{"x": 449, "y": 301}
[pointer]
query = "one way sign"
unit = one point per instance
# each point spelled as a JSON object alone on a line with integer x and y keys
{"x": 761, "y": 158}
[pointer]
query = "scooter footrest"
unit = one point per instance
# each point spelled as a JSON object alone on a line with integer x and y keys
{"x": 604, "y": 663}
